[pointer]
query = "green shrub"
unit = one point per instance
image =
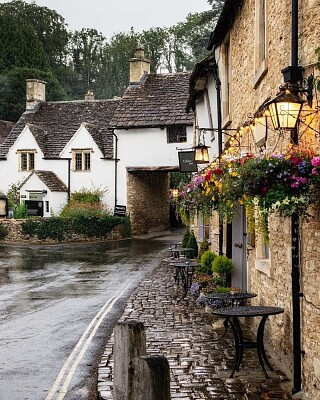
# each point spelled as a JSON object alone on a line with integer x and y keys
{"x": 223, "y": 266}
{"x": 185, "y": 239}
{"x": 192, "y": 244}
{"x": 206, "y": 261}
{"x": 3, "y": 231}
{"x": 20, "y": 211}
{"x": 204, "y": 246}
{"x": 59, "y": 228}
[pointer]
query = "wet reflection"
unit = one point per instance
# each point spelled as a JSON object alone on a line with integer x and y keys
{"x": 31, "y": 276}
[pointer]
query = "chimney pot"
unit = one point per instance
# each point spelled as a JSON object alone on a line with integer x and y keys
{"x": 89, "y": 96}
{"x": 139, "y": 66}
{"x": 35, "y": 92}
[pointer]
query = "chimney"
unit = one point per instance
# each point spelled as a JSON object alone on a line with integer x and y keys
{"x": 89, "y": 96}
{"x": 138, "y": 66}
{"x": 35, "y": 92}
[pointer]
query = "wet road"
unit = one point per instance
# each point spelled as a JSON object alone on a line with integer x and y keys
{"x": 58, "y": 305}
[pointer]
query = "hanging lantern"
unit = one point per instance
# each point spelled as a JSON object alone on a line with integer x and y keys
{"x": 201, "y": 154}
{"x": 285, "y": 110}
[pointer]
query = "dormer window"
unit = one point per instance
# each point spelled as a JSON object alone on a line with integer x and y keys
{"x": 26, "y": 160}
{"x": 81, "y": 159}
{"x": 177, "y": 134}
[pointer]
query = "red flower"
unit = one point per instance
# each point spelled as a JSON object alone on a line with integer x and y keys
{"x": 218, "y": 171}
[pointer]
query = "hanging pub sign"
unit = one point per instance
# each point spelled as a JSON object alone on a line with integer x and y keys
{"x": 186, "y": 161}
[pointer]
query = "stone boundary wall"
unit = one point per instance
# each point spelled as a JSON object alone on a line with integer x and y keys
{"x": 16, "y": 236}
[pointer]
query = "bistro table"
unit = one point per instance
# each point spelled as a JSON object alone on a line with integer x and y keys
{"x": 232, "y": 315}
{"x": 184, "y": 269}
{"x": 231, "y": 299}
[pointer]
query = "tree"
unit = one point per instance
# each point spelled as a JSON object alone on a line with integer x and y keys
{"x": 48, "y": 26}
{"x": 13, "y": 91}
{"x": 87, "y": 49}
{"x": 16, "y": 36}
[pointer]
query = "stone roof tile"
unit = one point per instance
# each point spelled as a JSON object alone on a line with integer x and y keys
{"x": 160, "y": 101}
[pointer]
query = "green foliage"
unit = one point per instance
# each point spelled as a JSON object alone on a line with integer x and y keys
{"x": 86, "y": 203}
{"x": 204, "y": 246}
{"x": 20, "y": 211}
{"x": 185, "y": 238}
{"x": 223, "y": 266}
{"x": 13, "y": 90}
{"x": 3, "y": 231}
{"x": 192, "y": 244}
{"x": 13, "y": 195}
{"x": 206, "y": 261}
{"x": 58, "y": 228}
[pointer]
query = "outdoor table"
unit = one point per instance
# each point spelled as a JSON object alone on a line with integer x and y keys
{"x": 184, "y": 269}
{"x": 223, "y": 300}
{"x": 230, "y": 299}
{"x": 232, "y": 315}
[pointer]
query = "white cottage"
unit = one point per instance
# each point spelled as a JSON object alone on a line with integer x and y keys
{"x": 126, "y": 147}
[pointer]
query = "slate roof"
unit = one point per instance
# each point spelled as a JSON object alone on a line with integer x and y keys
{"x": 5, "y": 128}
{"x": 159, "y": 101}
{"x": 53, "y": 124}
{"x": 50, "y": 179}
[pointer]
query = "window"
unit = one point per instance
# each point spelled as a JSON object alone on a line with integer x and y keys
{"x": 177, "y": 134}
{"x": 26, "y": 160}
{"x": 82, "y": 160}
{"x": 47, "y": 206}
{"x": 260, "y": 52}
{"x": 225, "y": 81}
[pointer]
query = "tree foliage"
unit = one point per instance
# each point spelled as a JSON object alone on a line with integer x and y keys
{"x": 35, "y": 39}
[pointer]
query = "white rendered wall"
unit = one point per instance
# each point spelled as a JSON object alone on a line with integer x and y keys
{"x": 145, "y": 147}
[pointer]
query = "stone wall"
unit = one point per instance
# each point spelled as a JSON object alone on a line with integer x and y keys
{"x": 148, "y": 201}
{"x": 273, "y": 283}
{"x": 15, "y": 235}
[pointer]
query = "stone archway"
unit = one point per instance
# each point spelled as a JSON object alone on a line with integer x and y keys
{"x": 148, "y": 200}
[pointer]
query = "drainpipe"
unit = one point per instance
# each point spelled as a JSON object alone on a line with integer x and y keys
{"x": 69, "y": 178}
{"x": 295, "y": 243}
{"x": 115, "y": 170}
{"x": 219, "y": 123}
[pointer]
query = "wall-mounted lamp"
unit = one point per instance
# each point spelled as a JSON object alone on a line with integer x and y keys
{"x": 201, "y": 153}
{"x": 286, "y": 107}
{"x": 44, "y": 192}
{"x": 285, "y": 110}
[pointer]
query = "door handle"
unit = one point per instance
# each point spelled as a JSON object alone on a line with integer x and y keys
{"x": 239, "y": 245}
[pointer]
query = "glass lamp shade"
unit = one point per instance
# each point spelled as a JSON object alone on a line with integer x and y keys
{"x": 285, "y": 110}
{"x": 201, "y": 154}
{"x": 175, "y": 193}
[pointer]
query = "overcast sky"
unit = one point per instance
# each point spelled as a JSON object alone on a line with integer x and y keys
{"x": 114, "y": 16}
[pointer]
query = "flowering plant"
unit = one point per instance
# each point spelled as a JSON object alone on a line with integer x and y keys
{"x": 275, "y": 183}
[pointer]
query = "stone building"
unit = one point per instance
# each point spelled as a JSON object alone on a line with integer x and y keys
{"x": 254, "y": 40}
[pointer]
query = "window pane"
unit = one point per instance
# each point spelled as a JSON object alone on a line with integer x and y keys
{"x": 87, "y": 161}
{"x": 78, "y": 162}
{"x": 31, "y": 161}
{"x": 23, "y": 162}
{"x": 177, "y": 134}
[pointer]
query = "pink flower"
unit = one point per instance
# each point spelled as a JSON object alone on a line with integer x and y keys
{"x": 315, "y": 162}
{"x": 314, "y": 171}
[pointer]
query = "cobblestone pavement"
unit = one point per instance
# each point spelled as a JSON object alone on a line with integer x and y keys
{"x": 184, "y": 334}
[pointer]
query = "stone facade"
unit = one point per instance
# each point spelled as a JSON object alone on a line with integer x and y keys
{"x": 249, "y": 87}
{"x": 148, "y": 206}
